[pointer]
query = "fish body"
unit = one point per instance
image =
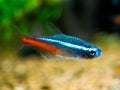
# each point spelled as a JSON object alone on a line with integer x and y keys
{"x": 64, "y": 45}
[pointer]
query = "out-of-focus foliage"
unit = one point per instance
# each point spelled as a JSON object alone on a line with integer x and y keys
{"x": 15, "y": 9}
{"x": 24, "y": 14}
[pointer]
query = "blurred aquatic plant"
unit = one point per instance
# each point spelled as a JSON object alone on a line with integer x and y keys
{"x": 24, "y": 14}
{"x": 17, "y": 9}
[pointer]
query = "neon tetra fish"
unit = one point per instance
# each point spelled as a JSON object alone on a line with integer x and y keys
{"x": 64, "y": 45}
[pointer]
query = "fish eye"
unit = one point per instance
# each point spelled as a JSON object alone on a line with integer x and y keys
{"x": 92, "y": 53}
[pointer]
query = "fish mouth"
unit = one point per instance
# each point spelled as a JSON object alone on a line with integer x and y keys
{"x": 98, "y": 53}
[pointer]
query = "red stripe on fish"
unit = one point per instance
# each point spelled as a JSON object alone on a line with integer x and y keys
{"x": 40, "y": 44}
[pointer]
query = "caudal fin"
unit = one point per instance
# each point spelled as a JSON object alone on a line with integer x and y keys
{"x": 18, "y": 37}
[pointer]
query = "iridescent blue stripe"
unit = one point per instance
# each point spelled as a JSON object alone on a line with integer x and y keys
{"x": 61, "y": 43}
{"x": 72, "y": 46}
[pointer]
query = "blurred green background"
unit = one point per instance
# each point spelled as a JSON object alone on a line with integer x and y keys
{"x": 97, "y": 21}
{"x": 23, "y": 14}
{"x": 84, "y": 19}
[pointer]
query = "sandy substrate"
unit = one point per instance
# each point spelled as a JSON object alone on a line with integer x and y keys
{"x": 33, "y": 73}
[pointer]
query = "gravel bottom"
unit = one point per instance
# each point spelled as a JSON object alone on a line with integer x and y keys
{"x": 33, "y": 73}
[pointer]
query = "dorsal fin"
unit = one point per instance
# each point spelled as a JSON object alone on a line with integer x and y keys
{"x": 53, "y": 29}
{"x": 50, "y": 30}
{"x": 44, "y": 29}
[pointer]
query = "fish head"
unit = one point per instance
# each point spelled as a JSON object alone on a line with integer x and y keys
{"x": 92, "y": 52}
